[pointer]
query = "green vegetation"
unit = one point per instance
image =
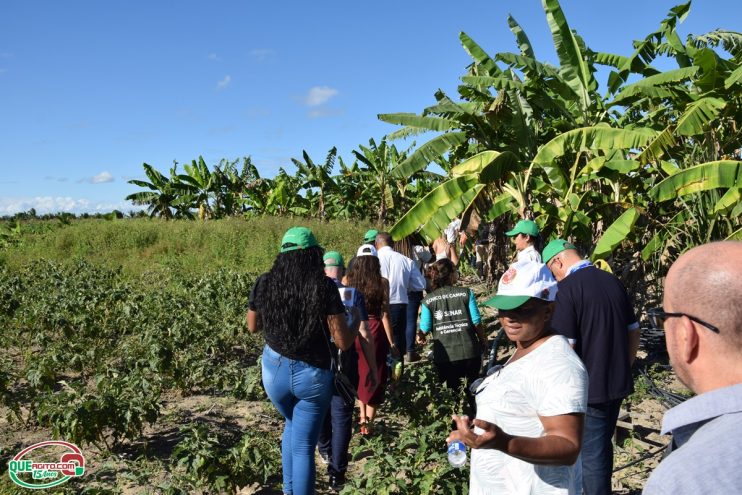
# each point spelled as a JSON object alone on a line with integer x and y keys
{"x": 247, "y": 245}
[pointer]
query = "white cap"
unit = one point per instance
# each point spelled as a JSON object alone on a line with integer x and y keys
{"x": 522, "y": 281}
{"x": 367, "y": 250}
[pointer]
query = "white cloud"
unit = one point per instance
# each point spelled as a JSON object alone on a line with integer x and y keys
{"x": 58, "y": 204}
{"x": 224, "y": 82}
{"x": 102, "y": 178}
{"x": 261, "y": 54}
{"x": 319, "y": 95}
{"x": 213, "y": 56}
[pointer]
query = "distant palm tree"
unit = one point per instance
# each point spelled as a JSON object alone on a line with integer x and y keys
{"x": 165, "y": 196}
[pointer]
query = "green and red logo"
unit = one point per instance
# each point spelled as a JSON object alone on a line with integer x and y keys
{"x": 38, "y": 474}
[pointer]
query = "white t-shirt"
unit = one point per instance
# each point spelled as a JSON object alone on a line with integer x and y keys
{"x": 529, "y": 254}
{"x": 549, "y": 381}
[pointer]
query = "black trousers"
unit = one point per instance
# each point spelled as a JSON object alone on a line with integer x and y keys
{"x": 452, "y": 372}
{"x": 334, "y": 437}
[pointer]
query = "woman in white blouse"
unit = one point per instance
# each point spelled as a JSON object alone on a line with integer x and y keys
{"x": 527, "y": 435}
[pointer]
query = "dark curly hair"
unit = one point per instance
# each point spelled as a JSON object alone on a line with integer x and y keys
{"x": 291, "y": 296}
{"x": 441, "y": 273}
{"x": 365, "y": 275}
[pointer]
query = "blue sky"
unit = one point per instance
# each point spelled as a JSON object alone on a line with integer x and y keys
{"x": 89, "y": 90}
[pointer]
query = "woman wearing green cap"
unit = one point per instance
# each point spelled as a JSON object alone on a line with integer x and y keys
{"x": 525, "y": 236}
{"x": 527, "y": 435}
{"x": 299, "y": 309}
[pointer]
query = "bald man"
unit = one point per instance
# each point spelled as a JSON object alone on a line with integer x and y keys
{"x": 702, "y": 318}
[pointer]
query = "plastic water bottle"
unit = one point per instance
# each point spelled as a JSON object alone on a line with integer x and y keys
{"x": 395, "y": 368}
{"x": 457, "y": 453}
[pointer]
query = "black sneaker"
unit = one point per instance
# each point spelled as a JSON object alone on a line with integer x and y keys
{"x": 337, "y": 482}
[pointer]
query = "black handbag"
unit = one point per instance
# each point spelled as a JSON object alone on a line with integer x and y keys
{"x": 343, "y": 386}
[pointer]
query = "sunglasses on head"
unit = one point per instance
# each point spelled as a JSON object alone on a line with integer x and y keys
{"x": 657, "y": 317}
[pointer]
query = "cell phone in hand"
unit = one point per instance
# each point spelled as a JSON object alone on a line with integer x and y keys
{"x": 347, "y": 294}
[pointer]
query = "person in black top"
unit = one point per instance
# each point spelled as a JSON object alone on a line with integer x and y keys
{"x": 594, "y": 312}
{"x": 299, "y": 310}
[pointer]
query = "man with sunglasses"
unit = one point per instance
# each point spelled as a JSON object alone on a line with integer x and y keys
{"x": 594, "y": 312}
{"x": 702, "y": 320}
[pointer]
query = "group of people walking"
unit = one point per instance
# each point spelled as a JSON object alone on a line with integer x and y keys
{"x": 542, "y": 422}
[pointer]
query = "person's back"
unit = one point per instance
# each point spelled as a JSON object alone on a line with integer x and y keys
{"x": 596, "y": 303}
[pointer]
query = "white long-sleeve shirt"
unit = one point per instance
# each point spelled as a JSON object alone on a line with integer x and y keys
{"x": 402, "y": 274}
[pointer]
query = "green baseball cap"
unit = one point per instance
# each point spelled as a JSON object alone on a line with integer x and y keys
{"x": 527, "y": 227}
{"x": 298, "y": 238}
{"x": 555, "y": 247}
{"x": 370, "y": 236}
{"x": 333, "y": 258}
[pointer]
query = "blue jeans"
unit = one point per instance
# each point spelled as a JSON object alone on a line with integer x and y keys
{"x": 334, "y": 437}
{"x": 597, "y": 447}
{"x": 301, "y": 393}
{"x": 398, "y": 318}
{"x": 413, "y": 306}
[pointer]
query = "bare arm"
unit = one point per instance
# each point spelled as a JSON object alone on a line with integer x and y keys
{"x": 253, "y": 321}
{"x": 453, "y": 254}
{"x": 341, "y": 334}
{"x": 559, "y": 446}
{"x": 633, "y": 344}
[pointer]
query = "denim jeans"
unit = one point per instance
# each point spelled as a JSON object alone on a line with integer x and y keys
{"x": 597, "y": 447}
{"x": 301, "y": 393}
{"x": 398, "y": 318}
{"x": 334, "y": 438}
{"x": 413, "y": 306}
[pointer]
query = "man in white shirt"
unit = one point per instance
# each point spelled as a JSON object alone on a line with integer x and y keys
{"x": 403, "y": 277}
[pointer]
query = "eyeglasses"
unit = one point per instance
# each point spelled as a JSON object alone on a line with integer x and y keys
{"x": 657, "y": 317}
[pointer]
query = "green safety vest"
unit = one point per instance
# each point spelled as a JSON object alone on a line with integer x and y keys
{"x": 454, "y": 335}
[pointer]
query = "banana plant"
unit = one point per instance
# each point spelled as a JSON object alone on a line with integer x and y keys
{"x": 166, "y": 197}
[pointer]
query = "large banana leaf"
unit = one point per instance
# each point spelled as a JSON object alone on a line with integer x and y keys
{"x": 733, "y": 78}
{"x": 573, "y": 67}
{"x": 586, "y": 139}
{"x": 428, "y": 152}
{"x": 501, "y": 205}
{"x": 658, "y": 146}
{"x": 478, "y": 54}
{"x": 730, "y": 199}
{"x": 615, "y": 234}
{"x": 652, "y": 86}
{"x": 520, "y": 36}
{"x": 500, "y": 83}
{"x": 414, "y": 120}
{"x": 489, "y": 165}
{"x": 698, "y": 114}
{"x": 703, "y": 177}
{"x": 436, "y": 210}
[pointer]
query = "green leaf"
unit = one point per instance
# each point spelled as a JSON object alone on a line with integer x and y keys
{"x": 436, "y": 210}
{"x": 414, "y": 120}
{"x": 651, "y": 87}
{"x": 500, "y": 83}
{"x": 587, "y": 139}
{"x": 660, "y": 145}
{"x": 730, "y": 199}
{"x": 489, "y": 165}
{"x": 615, "y": 234}
{"x": 478, "y": 54}
{"x": 520, "y": 36}
{"x": 573, "y": 67}
{"x": 427, "y": 153}
{"x": 656, "y": 242}
{"x": 703, "y": 177}
{"x": 733, "y": 78}
{"x": 698, "y": 114}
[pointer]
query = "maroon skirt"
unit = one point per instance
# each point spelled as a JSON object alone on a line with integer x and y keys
{"x": 381, "y": 350}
